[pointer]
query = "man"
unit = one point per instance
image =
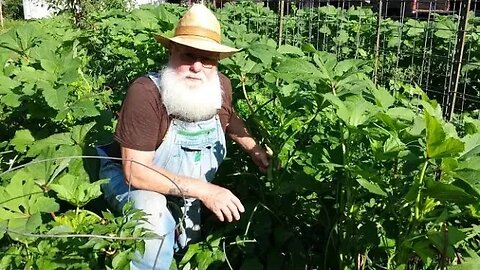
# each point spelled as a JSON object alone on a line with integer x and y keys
{"x": 171, "y": 130}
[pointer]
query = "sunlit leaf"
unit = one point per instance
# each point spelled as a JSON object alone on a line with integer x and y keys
{"x": 22, "y": 139}
{"x": 449, "y": 193}
{"x": 371, "y": 187}
{"x": 438, "y": 145}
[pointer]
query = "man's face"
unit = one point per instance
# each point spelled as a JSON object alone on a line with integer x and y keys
{"x": 195, "y": 66}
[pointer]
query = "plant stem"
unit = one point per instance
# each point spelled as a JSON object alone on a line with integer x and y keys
{"x": 243, "y": 79}
{"x": 419, "y": 194}
{"x": 290, "y": 156}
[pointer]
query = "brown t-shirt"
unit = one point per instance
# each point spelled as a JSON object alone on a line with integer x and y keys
{"x": 143, "y": 119}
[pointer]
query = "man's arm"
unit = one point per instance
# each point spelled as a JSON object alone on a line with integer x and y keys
{"x": 240, "y": 134}
{"x": 136, "y": 167}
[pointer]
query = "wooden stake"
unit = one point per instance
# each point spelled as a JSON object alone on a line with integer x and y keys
{"x": 280, "y": 22}
{"x": 1, "y": 14}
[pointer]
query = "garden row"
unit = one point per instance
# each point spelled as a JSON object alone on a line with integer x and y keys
{"x": 372, "y": 175}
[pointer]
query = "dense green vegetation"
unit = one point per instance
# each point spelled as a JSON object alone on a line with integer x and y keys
{"x": 363, "y": 175}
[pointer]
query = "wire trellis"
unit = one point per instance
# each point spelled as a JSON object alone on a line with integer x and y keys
{"x": 434, "y": 44}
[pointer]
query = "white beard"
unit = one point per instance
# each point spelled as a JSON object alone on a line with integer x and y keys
{"x": 187, "y": 99}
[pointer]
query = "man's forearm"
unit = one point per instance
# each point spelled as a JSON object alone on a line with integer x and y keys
{"x": 219, "y": 200}
{"x": 240, "y": 134}
{"x": 162, "y": 181}
{"x": 143, "y": 174}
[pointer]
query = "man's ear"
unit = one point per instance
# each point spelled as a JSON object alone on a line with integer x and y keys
{"x": 171, "y": 48}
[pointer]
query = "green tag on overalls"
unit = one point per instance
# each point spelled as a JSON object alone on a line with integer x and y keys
{"x": 198, "y": 155}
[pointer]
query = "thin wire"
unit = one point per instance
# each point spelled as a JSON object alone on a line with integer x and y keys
{"x": 162, "y": 238}
{"x": 125, "y": 238}
{"x": 225, "y": 255}
{"x": 94, "y": 157}
{"x": 158, "y": 253}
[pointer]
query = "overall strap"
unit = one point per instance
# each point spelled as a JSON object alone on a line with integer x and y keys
{"x": 155, "y": 77}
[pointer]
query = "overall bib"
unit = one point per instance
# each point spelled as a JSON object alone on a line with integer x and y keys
{"x": 193, "y": 149}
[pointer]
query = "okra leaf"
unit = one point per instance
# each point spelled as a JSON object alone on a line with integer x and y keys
{"x": 438, "y": 146}
{"x": 79, "y": 132}
{"x": 56, "y": 97}
{"x": 449, "y": 193}
{"x": 22, "y": 139}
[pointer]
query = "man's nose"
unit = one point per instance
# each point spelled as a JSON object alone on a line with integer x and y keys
{"x": 196, "y": 66}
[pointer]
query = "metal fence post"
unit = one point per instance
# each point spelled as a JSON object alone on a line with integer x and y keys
{"x": 281, "y": 8}
{"x": 1, "y": 14}
{"x": 377, "y": 43}
{"x": 457, "y": 60}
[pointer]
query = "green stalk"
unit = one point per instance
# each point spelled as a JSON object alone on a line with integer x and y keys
{"x": 419, "y": 194}
{"x": 290, "y": 157}
{"x": 344, "y": 191}
{"x": 264, "y": 132}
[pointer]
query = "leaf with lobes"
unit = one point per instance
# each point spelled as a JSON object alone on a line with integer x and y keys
{"x": 297, "y": 69}
{"x": 77, "y": 190}
{"x": 22, "y": 139}
{"x": 438, "y": 146}
{"x": 448, "y": 193}
{"x": 21, "y": 203}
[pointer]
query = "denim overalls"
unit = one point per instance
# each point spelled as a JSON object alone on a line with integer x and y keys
{"x": 193, "y": 149}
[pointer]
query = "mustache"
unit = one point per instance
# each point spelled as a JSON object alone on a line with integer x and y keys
{"x": 200, "y": 77}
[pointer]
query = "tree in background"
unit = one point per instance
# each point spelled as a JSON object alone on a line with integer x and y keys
{"x": 81, "y": 9}
{"x": 11, "y": 9}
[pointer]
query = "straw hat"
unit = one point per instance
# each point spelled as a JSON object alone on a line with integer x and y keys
{"x": 199, "y": 29}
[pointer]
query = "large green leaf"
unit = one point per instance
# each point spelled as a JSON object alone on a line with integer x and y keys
{"x": 382, "y": 97}
{"x": 11, "y": 100}
{"x": 289, "y": 49}
{"x": 50, "y": 65}
{"x": 263, "y": 52}
{"x": 371, "y": 187}
{"x": 121, "y": 261}
{"x": 354, "y": 111}
{"x": 21, "y": 204}
{"x": 469, "y": 172}
{"x": 27, "y": 36}
{"x": 56, "y": 97}
{"x": 77, "y": 190}
{"x": 472, "y": 145}
{"x": 7, "y": 84}
{"x": 467, "y": 264}
{"x": 449, "y": 193}
{"x": 401, "y": 113}
{"x": 297, "y": 69}
{"x": 472, "y": 125}
{"x": 393, "y": 145}
{"x": 84, "y": 108}
{"x": 10, "y": 41}
{"x": 79, "y": 132}
{"x": 437, "y": 144}
{"x": 51, "y": 141}
{"x": 445, "y": 240}
{"x": 22, "y": 139}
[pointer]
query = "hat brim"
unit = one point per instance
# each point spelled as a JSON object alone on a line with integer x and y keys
{"x": 199, "y": 43}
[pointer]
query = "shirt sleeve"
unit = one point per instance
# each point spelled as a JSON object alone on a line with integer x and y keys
{"x": 138, "y": 121}
{"x": 226, "y": 111}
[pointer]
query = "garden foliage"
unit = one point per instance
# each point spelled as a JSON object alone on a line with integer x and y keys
{"x": 362, "y": 175}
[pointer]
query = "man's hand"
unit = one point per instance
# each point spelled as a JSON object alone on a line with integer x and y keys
{"x": 222, "y": 203}
{"x": 260, "y": 157}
